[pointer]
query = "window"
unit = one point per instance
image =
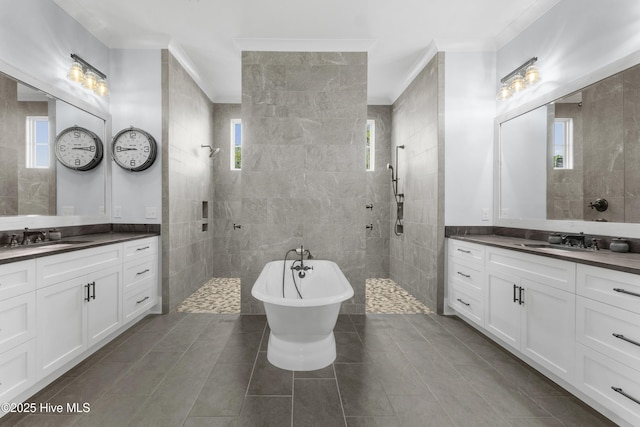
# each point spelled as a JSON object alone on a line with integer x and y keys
{"x": 37, "y": 142}
{"x": 236, "y": 144}
{"x": 563, "y": 143}
{"x": 370, "y": 148}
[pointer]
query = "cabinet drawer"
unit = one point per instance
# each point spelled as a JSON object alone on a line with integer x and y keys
{"x": 599, "y": 375}
{"x": 470, "y": 274}
{"x": 139, "y": 299}
{"x": 17, "y": 278}
{"x": 138, "y": 270}
{"x": 141, "y": 247}
{"x": 610, "y": 330}
{"x": 613, "y": 287}
{"x": 470, "y": 252}
{"x": 468, "y": 304}
{"x": 17, "y": 370}
{"x": 17, "y": 320}
{"x": 548, "y": 271}
{"x": 58, "y": 268}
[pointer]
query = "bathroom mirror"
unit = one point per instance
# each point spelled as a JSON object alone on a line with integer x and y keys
{"x": 563, "y": 159}
{"x": 32, "y": 181}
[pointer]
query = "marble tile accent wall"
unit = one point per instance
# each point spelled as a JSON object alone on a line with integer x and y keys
{"x": 303, "y": 177}
{"x": 417, "y": 256}
{"x": 379, "y": 194}
{"x": 564, "y": 186}
{"x": 227, "y": 201}
{"x": 604, "y": 165}
{"x": 187, "y": 181}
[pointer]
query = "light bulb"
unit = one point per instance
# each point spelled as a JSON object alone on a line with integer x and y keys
{"x": 531, "y": 75}
{"x": 101, "y": 88}
{"x": 90, "y": 80}
{"x": 504, "y": 92}
{"x": 76, "y": 73}
{"x": 517, "y": 84}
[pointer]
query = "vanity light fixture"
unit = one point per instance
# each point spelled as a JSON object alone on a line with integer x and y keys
{"x": 88, "y": 76}
{"x": 519, "y": 79}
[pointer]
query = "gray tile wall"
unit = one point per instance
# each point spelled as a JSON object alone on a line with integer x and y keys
{"x": 22, "y": 190}
{"x": 187, "y": 123}
{"x": 564, "y": 186}
{"x": 227, "y": 197}
{"x": 604, "y": 164}
{"x": 417, "y": 256}
{"x": 379, "y": 194}
{"x": 227, "y": 200}
{"x": 303, "y": 177}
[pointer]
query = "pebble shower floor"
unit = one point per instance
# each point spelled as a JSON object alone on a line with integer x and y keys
{"x": 222, "y": 295}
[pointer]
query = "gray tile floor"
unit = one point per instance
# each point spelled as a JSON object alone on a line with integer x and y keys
{"x": 391, "y": 370}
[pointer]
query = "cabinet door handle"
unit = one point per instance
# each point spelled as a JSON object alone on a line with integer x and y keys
{"x": 93, "y": 291}
{"x": 88, "y": 296}
{"x": 515, "y": 299}
{"x": 142, "y": 300}
{"x": 464, "y": 251}
{"x": 622, "y": 291}
{"x": 142, "y": 272}
{"x": 521, "y": 296}
{"x": 619, "y": 390}
{"x": 622, "y": 337}
{"x": 142, "y": 249}
{"x": 464, "y": 275}
{"x": 462, "y": 302}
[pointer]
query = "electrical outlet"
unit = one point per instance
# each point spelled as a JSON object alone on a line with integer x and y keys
{"x": 117, "y": 211}
{"x": 67, "y": 210}
{"x": 151, "y": 212}
{"x": 484, "y": 214}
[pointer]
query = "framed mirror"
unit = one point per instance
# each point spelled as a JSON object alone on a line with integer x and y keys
{"x": 574, "y": 159}
{"x": 32, "y": 181}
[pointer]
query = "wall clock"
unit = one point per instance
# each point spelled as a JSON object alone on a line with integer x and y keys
{"x": 78, "y": 148}
{"x": 134, "y": 149}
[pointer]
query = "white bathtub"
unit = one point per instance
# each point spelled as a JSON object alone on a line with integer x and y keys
{"x": 301, "y": 337}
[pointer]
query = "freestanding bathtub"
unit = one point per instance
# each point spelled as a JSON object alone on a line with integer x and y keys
{"x": 301, "y": 337}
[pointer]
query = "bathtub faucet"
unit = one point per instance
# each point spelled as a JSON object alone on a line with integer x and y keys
{"x": 301, "y": 269}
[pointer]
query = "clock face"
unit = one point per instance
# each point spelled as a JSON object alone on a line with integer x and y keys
{"x": 134, "y": 149}
{"x": 78, "y": 148}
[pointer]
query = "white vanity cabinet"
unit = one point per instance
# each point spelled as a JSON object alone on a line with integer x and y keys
{"x": 17, "y": 328}
{"x": 140, "y": 276}
{"x": 465, "y": 266}
{"x": 608, "y": 335}
{"x": 530, "y": 305}
{"x": 81, "y": 308}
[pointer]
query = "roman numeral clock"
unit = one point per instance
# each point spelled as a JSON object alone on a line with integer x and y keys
{"x": 134, "y": 149}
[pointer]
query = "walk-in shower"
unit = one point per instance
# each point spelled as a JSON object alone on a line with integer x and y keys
{"x": 399, "y": 197}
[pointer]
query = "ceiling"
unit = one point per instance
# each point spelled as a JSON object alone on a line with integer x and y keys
{"x": 208, "y": 36}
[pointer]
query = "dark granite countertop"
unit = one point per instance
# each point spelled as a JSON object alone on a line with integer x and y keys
{"x": 69, "y": 244}
{"x": 628, "y": 262}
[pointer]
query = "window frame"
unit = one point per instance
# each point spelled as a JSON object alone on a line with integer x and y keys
{"x": 232, "y": 152}
{"x": 370, "y": 146}
{"x": 31, "y": 144}
{"x": 567, "y": 143}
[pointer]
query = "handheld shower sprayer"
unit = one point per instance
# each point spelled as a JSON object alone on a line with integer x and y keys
{"x": 399, "y": 197}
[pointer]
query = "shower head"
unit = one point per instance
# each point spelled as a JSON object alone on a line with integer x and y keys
{"x": 400, "y": 146}
{"x": 390, "y": 167}
{"x": 212, "y": 152}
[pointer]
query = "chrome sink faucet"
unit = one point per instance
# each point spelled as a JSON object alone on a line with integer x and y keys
{"x": 575, "y": 239}
{"x": 26, "y": 236}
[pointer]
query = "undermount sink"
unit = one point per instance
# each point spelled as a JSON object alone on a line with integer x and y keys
{"x": 48, "y": 245}
{"x": 550, "y": 246}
